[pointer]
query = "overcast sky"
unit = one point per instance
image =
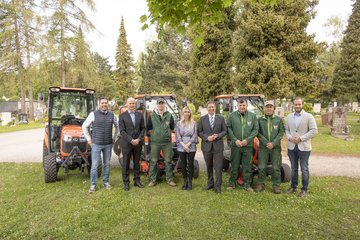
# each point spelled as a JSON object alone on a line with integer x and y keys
{"x": 109, "y": 12}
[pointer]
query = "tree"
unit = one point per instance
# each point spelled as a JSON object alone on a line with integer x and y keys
{"x": 65, "y": 19}
{"x": 124, "y": 73}
{"x": 179, "y": 14}
{"x": 346, "y": 84}
{"x": 107, "y": 85}
{"x": 82, "y": 67}
{"x": 165, "y": 66}
{"x": 273, "y": 53}
{"x": 211, "y": 62}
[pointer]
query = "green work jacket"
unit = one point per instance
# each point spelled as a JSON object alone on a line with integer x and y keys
{"x": 242, "y": 127}
{"x": 271, "y": 129}
{"x": 161, "y": 132}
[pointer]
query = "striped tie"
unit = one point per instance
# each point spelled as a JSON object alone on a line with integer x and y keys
{"x": 212, "y": 122}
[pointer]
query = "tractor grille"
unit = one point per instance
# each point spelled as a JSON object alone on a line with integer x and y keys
{"x": 68, "y": 146}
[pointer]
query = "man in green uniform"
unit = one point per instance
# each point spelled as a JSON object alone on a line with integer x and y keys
{"x": 160, "y": 124}
{"x": 271, "y": 130}
{"x": 242, "y": 129}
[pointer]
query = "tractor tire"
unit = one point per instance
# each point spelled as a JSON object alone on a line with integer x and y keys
{"x": 285, "y": 173}
{"x": 196, "y": 169}
{"x": 226, "y": 165}
{"x": 50, "y": 168}
{"x": 116, "y": 147}
{"x": 99, "y": 166}
{"x": 45, "y": 153}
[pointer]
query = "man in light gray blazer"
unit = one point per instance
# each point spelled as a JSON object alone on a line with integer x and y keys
{"x": 300, "y": 128}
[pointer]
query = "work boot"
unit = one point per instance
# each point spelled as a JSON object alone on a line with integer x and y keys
{"x": 230, "y": 187}
{"x": 291, "y": 190}
{"x": 249, "y": 189}
{"x": 277, "y": 189}
{"x": 172, "y": 183}
{"x": 260, "y": 188}
{"x": 151, "y": 184}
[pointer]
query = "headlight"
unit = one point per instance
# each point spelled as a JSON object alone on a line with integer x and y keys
{"x": 67, "y": 138}
{"x": 82, "y": 138}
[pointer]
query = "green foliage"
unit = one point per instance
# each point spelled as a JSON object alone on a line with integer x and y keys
{"x": 124, "y": 73}
{"x": 346, "y": 84}
{"x": 211, "y": 62}
{"x": 179, "y": 14}
{"x": 165, "y": 66}
{"x": 21, "y": 127}
{"x": 31, "y": 209}
{"x": 308, "y": 107}
{"x": 273, "y": 54}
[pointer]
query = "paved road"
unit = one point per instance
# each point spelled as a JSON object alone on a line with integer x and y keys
{"x": 26, "y": 146}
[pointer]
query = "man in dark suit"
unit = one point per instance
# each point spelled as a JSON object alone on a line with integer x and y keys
{"x": 132, "y": 129}
{"x": 212, "y": 129}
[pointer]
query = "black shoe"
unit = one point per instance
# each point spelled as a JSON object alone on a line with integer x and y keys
{"x": 208, "y": 187}
{"x": 184, "y": 187}
{"x": 218, "y": 190}
{"x": 189, "y": 186}
{"x": 137, "y": 183}
{"x": 126, "y": 186}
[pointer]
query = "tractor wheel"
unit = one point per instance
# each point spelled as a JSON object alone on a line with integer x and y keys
{"x": 196, "y": 169}
{"x": 99, "y": 166}
{"x": 50, "y": 168}
{"x": 226, "y": 165}
{"x": 45, "y": 153}
{"x": 285, "y": 173}
{"x": 116, "y": 146}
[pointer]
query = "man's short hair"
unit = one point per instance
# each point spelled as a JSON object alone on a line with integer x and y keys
{"x": 102, "y": 98}
{"x": 241, "y": 100}
{"x": 210, "y": 102}
{"x": 299, "y": 98}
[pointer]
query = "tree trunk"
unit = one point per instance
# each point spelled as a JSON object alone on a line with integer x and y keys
{"x": 62, "y": 42}
{"x": 29, "y": 72}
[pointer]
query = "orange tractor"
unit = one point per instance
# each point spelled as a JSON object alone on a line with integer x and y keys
{"x": 255, "y": 102}
{"x": 146, "y": 104}
{"x": 64, "y": 142}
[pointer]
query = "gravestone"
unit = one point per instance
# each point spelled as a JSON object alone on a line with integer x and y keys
{"x": 355, "y": 106}
{"x": 339, "y": 127}
{"x": 317, "y": 107}
{"x": 280, "y": 111}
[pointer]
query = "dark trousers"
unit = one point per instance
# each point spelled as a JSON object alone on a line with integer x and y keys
{"x": 213, "y": 162}
{"x": 135, "y": 153}
{"x": 187, "y": 164}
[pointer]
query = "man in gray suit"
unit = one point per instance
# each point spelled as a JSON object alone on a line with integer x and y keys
{"x": 211, "y": 130}
{"x": 300, "y": 128}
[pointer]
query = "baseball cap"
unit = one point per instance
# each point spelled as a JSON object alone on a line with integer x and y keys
{"x": 269, "y": 102}
{"x": 160, "y": 100}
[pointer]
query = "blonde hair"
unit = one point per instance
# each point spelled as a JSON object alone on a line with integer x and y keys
{"x": 182, "y": 120}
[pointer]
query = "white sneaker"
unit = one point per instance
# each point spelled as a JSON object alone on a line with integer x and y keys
{"x": 92, "y": 189}
{"x": 107, "y": 186}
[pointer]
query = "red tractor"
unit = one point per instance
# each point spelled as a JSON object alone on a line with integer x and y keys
{"x": 227, "y": 104}
{"x": 64, "y": 142}
{"x": 146, "y": 104}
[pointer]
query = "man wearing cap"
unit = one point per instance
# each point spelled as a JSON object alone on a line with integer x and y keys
{"x": 160, "y": 124}
{"x": 242, "y": 129}
{"x": 271, "y": 130}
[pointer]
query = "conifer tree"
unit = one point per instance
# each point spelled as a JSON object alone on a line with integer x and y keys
{"x": 346, "y": 82}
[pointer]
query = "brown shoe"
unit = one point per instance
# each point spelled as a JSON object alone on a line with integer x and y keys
{"x": 249, "y": 189}
{"x": 277, "y": 189}
{"x": 172, "y": 183}
{"x": 302, "y": 193}
{"x": 151, "y": 184}
{"x": 230, "y": 187}
{"x": 260, "y": 188}
{"x": 291, "y": 190}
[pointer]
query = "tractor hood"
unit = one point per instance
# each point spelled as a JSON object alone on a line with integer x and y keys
{"x": 74, "y": 131}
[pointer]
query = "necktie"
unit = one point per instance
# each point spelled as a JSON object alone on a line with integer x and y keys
{"x": 132, "y": 115}
{"x": 212, "y": 122}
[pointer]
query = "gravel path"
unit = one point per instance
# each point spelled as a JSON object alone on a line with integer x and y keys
{"x": 26, "y": 146}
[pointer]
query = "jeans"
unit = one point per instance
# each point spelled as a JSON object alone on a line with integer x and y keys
{"x": 295, "y": 157}
{"x": 96, "y": 158}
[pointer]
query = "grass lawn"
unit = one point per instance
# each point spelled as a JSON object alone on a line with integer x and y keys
{"x": 325, "y": 143}
{"x": 31, "y": 209}
{"x": 19, "y": 127}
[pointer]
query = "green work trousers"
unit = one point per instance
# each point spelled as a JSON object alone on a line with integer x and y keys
{"x": 154, "y": 157}
{"x": 274, "y": 156}
{"x": 241, "y": 155}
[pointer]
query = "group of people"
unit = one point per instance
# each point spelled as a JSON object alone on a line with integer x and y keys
{"x": 241, "y": 128}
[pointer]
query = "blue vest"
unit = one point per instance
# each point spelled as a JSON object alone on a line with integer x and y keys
{"x": 102, "y": 128}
